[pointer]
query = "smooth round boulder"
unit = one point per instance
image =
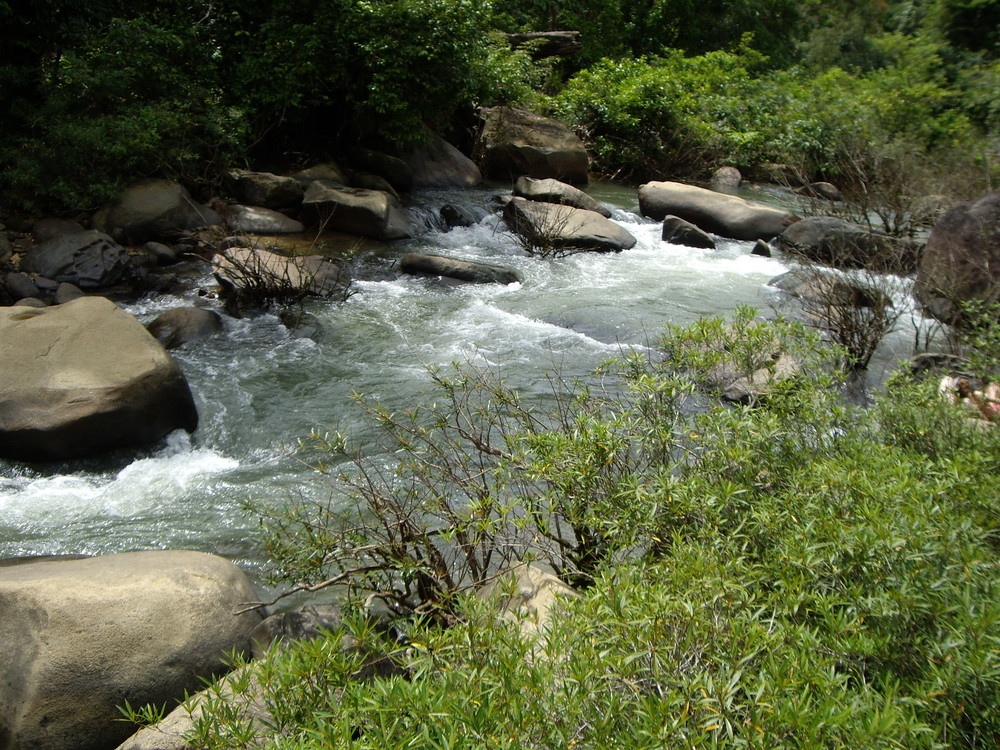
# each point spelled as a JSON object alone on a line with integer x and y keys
{"x": 82, "y": 378}
{"x": 726, "y": 180}
{"x": 517, "y": 142}
{"x": 961, "y": 262}
{"x": 183, "y": 325}
{"x": 369, "y": 213}
{"x": 78, "y": 638}
{"x": 453, "y": 268}
{"x": 391, "y": 168}
{"x": 825, "y": 190}
{"x": 159, "y": 210}
{"x": 550, "y": 226}
{"x": 67, "y": 292}
{"x": 679, "y": 232}
{"x": 88, "y": 259}
{"x": 718, "y": 213}
{"x": 554, "y": 191}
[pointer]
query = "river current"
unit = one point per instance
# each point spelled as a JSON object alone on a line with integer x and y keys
{"x": 260, "y": 388}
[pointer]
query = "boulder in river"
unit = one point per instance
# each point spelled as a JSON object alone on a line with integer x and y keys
{"x": 516, "y": 142}
{"x": 724, "y": 215}
{"x": 182, "y": 325}
{"x": 961, "y": 262}
{"x": 823, "y": 289}
{"x": 82, "y": 378}
{"x": 554, "y": 191}
{"x": 680, "y": 232}
{"x": 158, "y": 210}
{"x": 453, "y": 268}
{"x": 88, "y": 259}
{"x": 369, "y": 213}
{"x": 726, "y": 180}
{"x": 842, "y": 244}
{"x": 80, "y": 637}
{"x": 549, "y": 228}
{"x": 265, "y": 275}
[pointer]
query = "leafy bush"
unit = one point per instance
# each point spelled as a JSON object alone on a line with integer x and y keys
{"x": 814, "y": 575}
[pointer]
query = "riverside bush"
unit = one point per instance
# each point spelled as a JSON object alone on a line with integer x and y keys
{"x": 803, "y": 574}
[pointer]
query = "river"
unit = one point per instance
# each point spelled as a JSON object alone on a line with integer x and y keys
{"x": 260, "y": 388}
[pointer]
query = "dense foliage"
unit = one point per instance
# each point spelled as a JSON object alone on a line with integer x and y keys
{"x": 101, "y": 93}
{"x": 799, "y": 573}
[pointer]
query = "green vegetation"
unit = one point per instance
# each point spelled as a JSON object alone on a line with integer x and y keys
{"x": 800, "y": 573}
{"x": 100, "y": 94}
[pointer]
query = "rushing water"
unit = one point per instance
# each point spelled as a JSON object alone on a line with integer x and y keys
{"x": 259, "y": 388}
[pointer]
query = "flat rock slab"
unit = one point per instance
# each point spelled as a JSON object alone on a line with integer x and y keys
{"x": 550, "y": 225}
{"x": 724, "y": 215}
{"x": 82, "y": 378}
{"x": 80, "y": 637}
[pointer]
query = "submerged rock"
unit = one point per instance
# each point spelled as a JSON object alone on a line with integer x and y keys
{"x": 453, "y": 268}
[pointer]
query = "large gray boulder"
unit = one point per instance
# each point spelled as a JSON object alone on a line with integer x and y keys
{"x": 549, "y": 227}
{"x": 435, "y": 163}
{"x": 453, "y": 268}
{"x": 259, "y": 220}
{"x": 158, "y": 210}
{"x": 369, "y": 213}
{"x": 517, "y": 142}
{"x": 554, "y": 191}
{"x": 724, "y": 215}
{"x": 88, "y": 259}
{"x": 80, "y": 637}
{"x": 961, "y": 262}
{"x": 842, "y": 244}
{"x": 82, "y": 378}
{"x": 265, "y": 189}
